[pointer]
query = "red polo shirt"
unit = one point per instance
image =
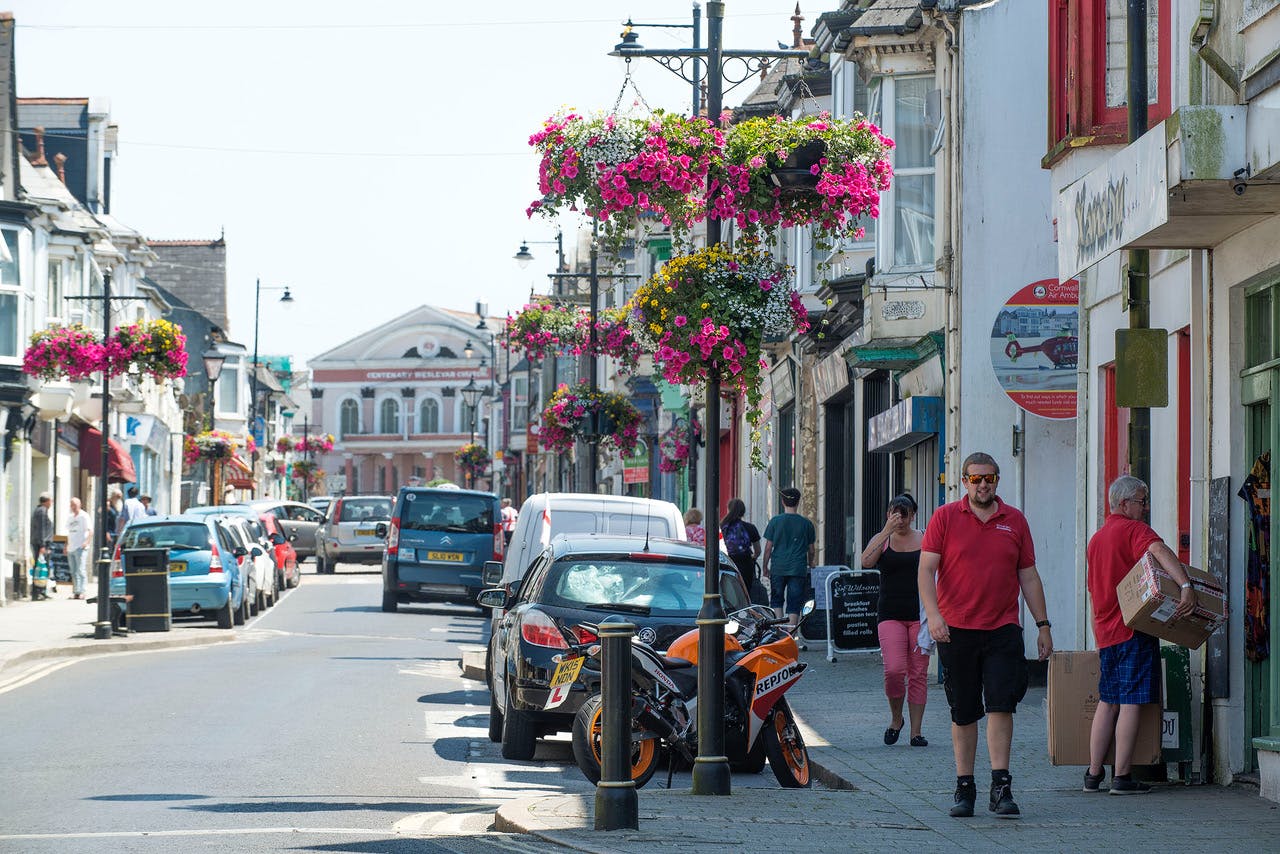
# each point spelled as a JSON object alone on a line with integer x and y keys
{"x": 1112, "y": 553}
{"x": 978, "y": 572}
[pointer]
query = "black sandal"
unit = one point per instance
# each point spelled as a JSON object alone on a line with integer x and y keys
{"x": 919, "y": 741}
{"x": 891, "y": 735}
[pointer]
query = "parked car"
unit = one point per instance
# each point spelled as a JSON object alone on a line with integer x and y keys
{"x": 657, "y": 584}
{"x": 204, "y": 576}
{"x": 438, "y": 543}
{"x": 349, "y": 533}
{"x": 268, "y": 581}
{"x": 286, "y": 554}
{"x": 321, "y": 503}
{"x": 583, "y": 513}
{"x": 298, "y": 521}
{"x": 257, "y": 561}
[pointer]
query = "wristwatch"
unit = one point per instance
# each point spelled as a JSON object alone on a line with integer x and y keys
{"x": 1186, "y": 586}
{"x": 1043, "y": 624}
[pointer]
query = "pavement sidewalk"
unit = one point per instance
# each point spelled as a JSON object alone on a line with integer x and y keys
{"x": 35, "y": 633}
{"x": 880, "y": 797}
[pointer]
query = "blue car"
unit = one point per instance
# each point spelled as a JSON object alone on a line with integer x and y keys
{"x": 204, "y": 572}
{"x": 438, "y": 542}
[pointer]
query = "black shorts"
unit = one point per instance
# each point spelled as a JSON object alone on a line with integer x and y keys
{"x": 983, "y": 664}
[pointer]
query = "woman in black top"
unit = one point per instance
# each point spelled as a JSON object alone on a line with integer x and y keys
{"x": 742, "y": 542}
{"x": 895, "y": 551}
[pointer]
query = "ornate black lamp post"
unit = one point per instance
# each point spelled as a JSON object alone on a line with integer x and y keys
{"x": 471, "y": 394}
{"x": 287, "y": 301}
{"x": 711, "y": 770}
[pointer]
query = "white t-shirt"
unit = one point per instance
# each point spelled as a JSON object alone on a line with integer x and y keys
{"x": 79, "y": 530}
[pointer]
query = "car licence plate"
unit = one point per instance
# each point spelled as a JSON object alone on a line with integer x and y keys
{"x": 450, "y": 557}
{"x": 177, "y": 567}
{"x": 366, "y": 532}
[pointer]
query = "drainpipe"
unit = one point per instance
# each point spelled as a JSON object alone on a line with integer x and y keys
{"x": 952, "y": 214}
{"x": 1081, "y": 613}
{"x": 1139, "y": 284}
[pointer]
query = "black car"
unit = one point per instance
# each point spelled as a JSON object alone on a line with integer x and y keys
{"x": 656, "y": 584}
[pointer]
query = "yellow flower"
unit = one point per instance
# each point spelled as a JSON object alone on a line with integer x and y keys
{"x": 706, "y": 305}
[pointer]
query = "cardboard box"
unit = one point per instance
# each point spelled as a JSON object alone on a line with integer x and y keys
{"x": 1073, "y": 700}
{"x": 1148, "y": 596}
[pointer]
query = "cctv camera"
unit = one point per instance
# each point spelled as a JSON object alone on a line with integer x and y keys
{"x": 1238, "y": 186}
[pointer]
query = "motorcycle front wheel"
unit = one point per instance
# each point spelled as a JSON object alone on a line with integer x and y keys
{"x": 788, "y": 757}
{"x": 586, "y": 746}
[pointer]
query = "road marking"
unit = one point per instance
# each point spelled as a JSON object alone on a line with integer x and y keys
{"x": 38, "y": 673}
{"x": 231, "y": 831}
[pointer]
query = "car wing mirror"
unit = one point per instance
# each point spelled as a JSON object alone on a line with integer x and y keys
{"x": 256, "y": 552}
{"x": 492, "y": 573}
{"x": 494, "y": 597}
{"x": 239, "y": 551}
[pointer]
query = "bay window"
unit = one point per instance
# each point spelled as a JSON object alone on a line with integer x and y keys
{"x": 229, "y": 386}
{"x": 897, "y": 105}
{"x": 11, "y": 298}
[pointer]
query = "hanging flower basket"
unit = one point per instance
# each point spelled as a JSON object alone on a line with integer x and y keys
{"x": 213, "y": 445}
{"x": 543, "y": 328}
{"x": 673, "y": 451}
{"x": 154, "y": 347}
{"x": 615, "y": 339}
{"x": 705, "y": 315}
{"x": 284, "y": 445}
{"x": 314, "y": 444}
{"x": 570, "y": 411}
{"x": 616, "y": 168}
{"x": 309, "y": 473}
{"x": 62, "y": 351}
{"x": 473, "y": 458}
{"x": 763, "y": 184}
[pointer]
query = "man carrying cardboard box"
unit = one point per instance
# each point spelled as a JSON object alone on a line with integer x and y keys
{"x": 1130, "y": 661}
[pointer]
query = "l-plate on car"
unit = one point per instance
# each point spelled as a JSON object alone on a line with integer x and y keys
{"x": 656, "y": 584}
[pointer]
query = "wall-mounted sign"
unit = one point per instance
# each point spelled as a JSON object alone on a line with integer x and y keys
{"x": 903, "y": 309}
{"x": 1035, "y": 346}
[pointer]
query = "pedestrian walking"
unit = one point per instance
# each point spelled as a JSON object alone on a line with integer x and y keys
{"x": 1129, "y": 661}
{"x": 693, "y": 530}
{"x": 132, "y": 509}
{"x": 79, "y": 532}
{"x": 115, "y": 506}
{"x": 148, "y": 510}
{"x": 742, "y": 542}
{"x": 981, "y": 552}
{"x": 895, "y": 552}
{"x": 789, "y": 554}
{"x": 41, "y": 525}
{"x": 509, "y": 516}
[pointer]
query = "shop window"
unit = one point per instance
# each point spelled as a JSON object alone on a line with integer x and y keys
{"x": 1088, "y": 69}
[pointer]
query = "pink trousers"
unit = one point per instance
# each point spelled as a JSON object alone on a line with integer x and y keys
{"x": 905, "y": 666}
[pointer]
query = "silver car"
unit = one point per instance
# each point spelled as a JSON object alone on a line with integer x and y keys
{"x": 349, "y": 533}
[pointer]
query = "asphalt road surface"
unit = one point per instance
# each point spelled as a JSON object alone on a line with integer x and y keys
{"x": 330, "y": 727}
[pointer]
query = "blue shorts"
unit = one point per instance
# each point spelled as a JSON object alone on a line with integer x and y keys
{"x": 792, "y": 587}
{"x": 1130, "y": 671}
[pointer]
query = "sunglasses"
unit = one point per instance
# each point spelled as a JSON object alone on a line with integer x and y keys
{"x": 979, "y": 478}
{"x": 1145, "y": 502}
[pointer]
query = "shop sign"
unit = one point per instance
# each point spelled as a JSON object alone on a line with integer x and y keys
{"x": 1113, "y": 205}
{"x": 831, "y": 376}
{"x": 635, "y": 469}
{"x": 1035, "y": 347}
{"x": 782, "y": 378}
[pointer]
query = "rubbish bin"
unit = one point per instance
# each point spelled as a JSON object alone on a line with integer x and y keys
{"x": 1175, "y": 735}
{"x": 146, "y": 583}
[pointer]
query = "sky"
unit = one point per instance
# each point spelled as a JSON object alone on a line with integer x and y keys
{"x": 371, "y": 156}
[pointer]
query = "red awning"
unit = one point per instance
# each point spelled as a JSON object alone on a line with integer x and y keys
{"x": 119, "y": 463}
{"x": 240, "y": 482}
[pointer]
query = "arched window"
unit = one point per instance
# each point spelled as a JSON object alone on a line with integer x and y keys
{"x": 389, "y": 417}
{"x": 348, "y": 418}
{"x": 429, "y": 417}
{"x": 467, "y": 413}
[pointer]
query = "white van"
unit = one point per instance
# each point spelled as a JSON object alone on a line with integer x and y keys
{"x": 585, "y": 513}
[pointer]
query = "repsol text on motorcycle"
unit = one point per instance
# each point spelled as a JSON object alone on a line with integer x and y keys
{"x": 761, "y": 664}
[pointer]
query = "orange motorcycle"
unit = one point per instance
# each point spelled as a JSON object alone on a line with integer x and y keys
{"x": 761, "y": 664}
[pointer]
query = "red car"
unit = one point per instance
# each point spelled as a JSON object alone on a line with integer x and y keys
{"x": 286, "y": 556}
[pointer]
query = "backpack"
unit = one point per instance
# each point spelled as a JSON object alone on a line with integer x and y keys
{"x": 737, "y": 540}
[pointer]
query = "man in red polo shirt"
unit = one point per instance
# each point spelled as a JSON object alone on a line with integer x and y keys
{"x": 1130, "y": 661}
{"x": 980, "y": 549}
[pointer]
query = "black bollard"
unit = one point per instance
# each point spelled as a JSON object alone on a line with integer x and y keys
{"x": 617, "y": 807}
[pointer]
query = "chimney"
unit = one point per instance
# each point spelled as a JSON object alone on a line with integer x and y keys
{"x": 797, "y": 36}
{"x": 39, "y": 158}
{"x": 60, "y": 164}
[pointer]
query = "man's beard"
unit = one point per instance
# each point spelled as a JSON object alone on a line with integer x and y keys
{"x": 975, "y": 500}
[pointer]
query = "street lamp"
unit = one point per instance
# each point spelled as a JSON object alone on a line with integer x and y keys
{"x": 483, "y": 330}
{"x": 471, "y": 398}
{"x": 213, "y": 359}
{"x": 286, "y": 300}
{"x": 711, "y": 771}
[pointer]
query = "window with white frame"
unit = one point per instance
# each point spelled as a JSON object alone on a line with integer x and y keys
{"x": 519, "y": 402}
{"x": 10, "y": 298}
{"x": 389, "y": 416}
{"x": 897, "y": 105}
{"x": 429, "y": 416}
{"x": 55, "y": 288}
{"x": 229, "y": 386}
{"x": 348, "y": 418}
{"x": 849, "y": 98}
{"x": 470, "y": 417}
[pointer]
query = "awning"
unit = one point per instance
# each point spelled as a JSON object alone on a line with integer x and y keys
{"x": 119, "y": 463}
{"x": 909, "y": 423}
{"x": 240, "y": 482}
{"x": 237, "y": 462}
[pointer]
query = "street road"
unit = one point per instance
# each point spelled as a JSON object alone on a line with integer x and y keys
{"x": 331, "y": 727}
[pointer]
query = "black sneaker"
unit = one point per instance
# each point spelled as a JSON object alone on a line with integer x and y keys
{"x": 966, "y": 795}
{"x": 1121, "y": 786}
{"x": 1002, "y": 803}
{"x": 1092, "y": 783}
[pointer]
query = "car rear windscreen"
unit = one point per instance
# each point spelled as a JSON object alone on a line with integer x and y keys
{"x": 663, "y": 588}
{"x": 610, "y": 522}
{"x": 462, "y": 514}
{"x": 365, "y": 509}
{"x": 176, "y": 536}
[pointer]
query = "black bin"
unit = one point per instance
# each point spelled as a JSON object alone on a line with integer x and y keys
{"x": 146, "y": 579}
